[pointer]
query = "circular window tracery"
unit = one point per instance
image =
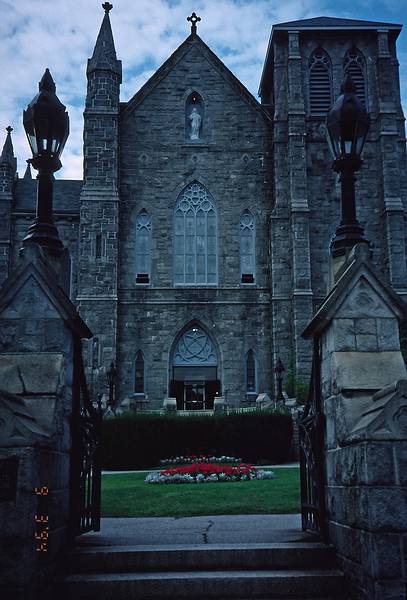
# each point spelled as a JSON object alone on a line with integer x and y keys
{"x": 195, "y": 348}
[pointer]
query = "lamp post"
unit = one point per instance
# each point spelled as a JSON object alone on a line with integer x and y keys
{"x": 347, "y": 127}
{"x": 279, "y": 370}
{"x": 46, "y": 124}
{"x": 112, "y": 381}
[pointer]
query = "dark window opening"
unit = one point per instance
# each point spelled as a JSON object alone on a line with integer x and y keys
{"x": 139, "y": 378}
{"x": 247, "y": 278}
{"x": 142, "y": 278}
{"x": 98, "y": 245}
{"x": 250, "y": 372}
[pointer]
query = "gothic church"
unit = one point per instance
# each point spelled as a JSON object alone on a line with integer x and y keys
{"x": 199, "y": 236}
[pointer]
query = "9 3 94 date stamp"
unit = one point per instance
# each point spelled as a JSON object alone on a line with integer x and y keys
{"x": 41, "y": 518}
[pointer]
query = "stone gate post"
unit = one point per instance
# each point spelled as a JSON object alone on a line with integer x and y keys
{"x": 364, "y": 392}
{"x": 39, "y": 332}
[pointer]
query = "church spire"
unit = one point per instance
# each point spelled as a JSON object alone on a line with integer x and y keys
{"x": 7, "y": 156}
{"x": 104, "y": 54}
{"x": 27, "y": 174}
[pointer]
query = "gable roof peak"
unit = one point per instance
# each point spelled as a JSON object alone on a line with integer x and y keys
{"x": 192, "y": 41}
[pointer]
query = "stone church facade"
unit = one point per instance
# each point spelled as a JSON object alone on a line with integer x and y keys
{"x": 199, "y": 236}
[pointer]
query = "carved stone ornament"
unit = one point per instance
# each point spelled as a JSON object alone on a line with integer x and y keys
{"x": 18, "y": 426}
{"x": 386, "y": 417}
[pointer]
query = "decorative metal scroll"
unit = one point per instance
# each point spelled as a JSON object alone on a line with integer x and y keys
{"x": 86, "y": 458}
{"x": 311, "y": 437}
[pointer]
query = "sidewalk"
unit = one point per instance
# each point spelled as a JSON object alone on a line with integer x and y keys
{"x": 219, "y": 529}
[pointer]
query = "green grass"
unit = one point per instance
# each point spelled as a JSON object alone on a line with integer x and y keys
{"x": 126, "y": 495}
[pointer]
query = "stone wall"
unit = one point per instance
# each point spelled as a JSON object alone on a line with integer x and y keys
{"x": 307, "y": 194}
{"x": 231, "y": 160}
{"x": 367, "y": 503}
{"x": 364, "y": 394}
{"x": 38, "y": 327}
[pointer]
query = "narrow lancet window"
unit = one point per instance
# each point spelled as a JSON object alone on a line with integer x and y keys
{"x": 143, "y": 247}
{"x": 354, "y": 64}
{"x": 250, "y": 373}
{"x": 320, "y": 82}
{"x": 247, "y": 247}
{"x": 139, "y": 373}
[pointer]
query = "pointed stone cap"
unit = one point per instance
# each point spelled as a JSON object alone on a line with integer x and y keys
{"x": 27, "y": 174}
{"x": 7, "y": 155}
{"x": 104, "y": 54}
{"x": 360, "y": 292}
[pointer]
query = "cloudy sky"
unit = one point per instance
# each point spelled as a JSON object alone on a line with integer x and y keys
{"x": 60, "y": 35}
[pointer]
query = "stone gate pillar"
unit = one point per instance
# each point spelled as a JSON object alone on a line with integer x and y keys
{"x": 364, "y": 396}
{"x": 40, "y": 330}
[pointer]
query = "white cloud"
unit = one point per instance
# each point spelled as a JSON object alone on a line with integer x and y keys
{"x": 61, "y": 35}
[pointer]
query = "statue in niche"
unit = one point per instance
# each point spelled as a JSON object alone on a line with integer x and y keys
{"x": 195, "y": 119}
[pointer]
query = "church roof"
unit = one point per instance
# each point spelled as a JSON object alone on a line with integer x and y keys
{"x": 333, "y": 23}
{"x": 175, "y": 57}
{"x": 317, "y": 24}
{"x": 66, "y": 195}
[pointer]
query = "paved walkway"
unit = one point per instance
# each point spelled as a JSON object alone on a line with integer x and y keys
{"x": 228, "y": 529}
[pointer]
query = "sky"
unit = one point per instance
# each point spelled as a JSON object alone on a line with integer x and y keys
{"x": 60, "y": 35}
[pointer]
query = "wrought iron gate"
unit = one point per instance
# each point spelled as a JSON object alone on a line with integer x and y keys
{"x": 86, "y": 459}
{"x": 311, "y": 437}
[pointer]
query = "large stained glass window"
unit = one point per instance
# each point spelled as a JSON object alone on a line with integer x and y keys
{"x": 195, "y": 237}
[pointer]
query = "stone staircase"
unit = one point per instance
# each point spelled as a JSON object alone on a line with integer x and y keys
{"x": 296, "y": 570}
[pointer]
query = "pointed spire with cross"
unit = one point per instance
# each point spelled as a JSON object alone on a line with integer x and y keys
{"x": 193, "y": 19}
{"x": 7, "y": 155}
{"x": 107, "y": 7}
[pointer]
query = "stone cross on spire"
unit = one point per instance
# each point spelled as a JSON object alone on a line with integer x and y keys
{"x": 107, "y": 7}
{"x": 9, "y": 129}
{"x": 194, "y": 19}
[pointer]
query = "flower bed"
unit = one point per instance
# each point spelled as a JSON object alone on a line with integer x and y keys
{"x": 198, "y": 458}
{"x": 200, "y": 472}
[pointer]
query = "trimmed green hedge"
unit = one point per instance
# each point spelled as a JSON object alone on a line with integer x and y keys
{"x": 134, "y": 441}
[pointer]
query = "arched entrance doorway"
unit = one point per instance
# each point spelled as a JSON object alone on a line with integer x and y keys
{"x": 194, "y": 370}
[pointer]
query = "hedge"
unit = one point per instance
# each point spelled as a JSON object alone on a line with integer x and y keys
{"x": 133, "y": 441}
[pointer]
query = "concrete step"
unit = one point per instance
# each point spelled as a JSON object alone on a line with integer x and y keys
{"x": 205, "y": 557}
{"x": 264, "y": 584}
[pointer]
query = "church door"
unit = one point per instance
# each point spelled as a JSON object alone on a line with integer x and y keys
{"x": 193, "y": 378}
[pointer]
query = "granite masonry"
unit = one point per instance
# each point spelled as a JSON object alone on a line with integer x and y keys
{"x": 199, "y": 236}
{"x": 39, "y": 347}
{"x": 364, "y": 396}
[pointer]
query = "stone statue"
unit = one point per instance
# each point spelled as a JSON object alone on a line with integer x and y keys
{"x": 195, "y": 120}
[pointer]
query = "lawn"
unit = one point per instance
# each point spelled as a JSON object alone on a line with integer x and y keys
{"x": 126, "y": 495}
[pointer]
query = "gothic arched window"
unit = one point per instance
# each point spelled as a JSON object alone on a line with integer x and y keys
{"x": 195, "y": 348}
{"x": 320, "y": 82}
{"x": 251, "y": 383}
{"x": 194, "y": 117}
{"x": 247, "y": 247}
{"x": 143, "y": 247}
{"x": 139, "y": 373}
{"x": 354, "y": 64}
{"x": 195, "y": 237}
